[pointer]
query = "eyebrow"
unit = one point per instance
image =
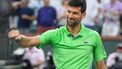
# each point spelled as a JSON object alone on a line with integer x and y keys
{"x": 73, "y": 12}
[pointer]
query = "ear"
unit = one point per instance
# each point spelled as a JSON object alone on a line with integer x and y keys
{"x": 83, "y": 14}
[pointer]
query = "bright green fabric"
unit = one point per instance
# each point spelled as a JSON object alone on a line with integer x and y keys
{"x": 74, "y": 52}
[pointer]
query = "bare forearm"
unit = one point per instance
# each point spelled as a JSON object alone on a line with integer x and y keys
{"x": 101, "y": 65}
{"x": 23, "y": 41}
{"x": 26, "y": 41}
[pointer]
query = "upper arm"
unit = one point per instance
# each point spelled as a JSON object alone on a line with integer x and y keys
{"x": 101, "y": 65}
{"x": 99, "y": 51}
{"x": 47, "y": 38}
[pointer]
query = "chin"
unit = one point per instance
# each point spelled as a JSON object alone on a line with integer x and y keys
{"x": 72, "y": 24}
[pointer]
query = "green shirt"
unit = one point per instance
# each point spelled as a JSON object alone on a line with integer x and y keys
{"x": 73, "y": 52}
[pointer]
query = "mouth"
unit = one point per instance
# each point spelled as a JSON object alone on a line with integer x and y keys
{"x": 71, "y": 20}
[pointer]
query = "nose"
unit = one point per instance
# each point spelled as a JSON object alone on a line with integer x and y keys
{"x": 70, "y": 15}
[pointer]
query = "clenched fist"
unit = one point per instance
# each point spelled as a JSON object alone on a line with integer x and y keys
{"x": 14, "y": 34}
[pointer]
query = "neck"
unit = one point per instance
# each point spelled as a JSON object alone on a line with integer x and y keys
{"x": 74, "y": 30}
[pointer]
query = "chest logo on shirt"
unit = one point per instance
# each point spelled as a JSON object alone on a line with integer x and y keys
{"x": 85, "y": 42}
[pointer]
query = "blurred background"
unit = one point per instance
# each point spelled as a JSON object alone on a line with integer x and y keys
{"x": 33, "y": 17}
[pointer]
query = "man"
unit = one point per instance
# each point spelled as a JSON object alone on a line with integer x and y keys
{"x": 46, "y": 17}
{"x": 74, "y": 45}
{"x": 88, "y": 20}
{"x": 26, "y": 16}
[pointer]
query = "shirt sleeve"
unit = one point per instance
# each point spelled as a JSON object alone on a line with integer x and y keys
{"x": 99, "y": 51}
{"x": 46, "y": 38}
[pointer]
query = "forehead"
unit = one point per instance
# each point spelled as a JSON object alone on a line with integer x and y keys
{"x": 46, "y": 0}
{"x": 75, "y": 9}
{"x": 24, "y": 1}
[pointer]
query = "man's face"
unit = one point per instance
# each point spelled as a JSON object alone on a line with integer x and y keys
{"x": 46, "y": 2}
{"x": 24, "y": 3}
{"x": 74, "y": 16}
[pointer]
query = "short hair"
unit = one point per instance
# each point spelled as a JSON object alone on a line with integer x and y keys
{"x": 78, "y": 3}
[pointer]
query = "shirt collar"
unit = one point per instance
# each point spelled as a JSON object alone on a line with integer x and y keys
{"x": 81, "y": 33}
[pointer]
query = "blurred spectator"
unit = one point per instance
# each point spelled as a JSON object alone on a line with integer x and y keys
{"x": 13, "y": 18}
{"x": 35, "y": 4}
{"x": 36, "y": 57}
{"x": 115, "y": 58}
{"x": 94, "y": 17}
{"x": 16, "y": 60}
{"x": 26, "y": 16}
{"x": 99, "y": 18}
{"x": 113, "y": 10}
{"x": 47, "y": 17}
{"x": 90, "y": 13}
{"x": 55, "y": 3}
{"x": 29, "y": 58}
{"x": 61, "y": 13}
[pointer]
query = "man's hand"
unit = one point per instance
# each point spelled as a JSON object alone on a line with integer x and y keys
{"x": 22, "y": 40}
{"x": 14, "y": 34}
{"x": 24, "y": 16}
{"x": 27, "y": 17}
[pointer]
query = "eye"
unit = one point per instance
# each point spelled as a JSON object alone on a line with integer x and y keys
{"x": 68, "y": 11}
{"x": 75, "y": 13}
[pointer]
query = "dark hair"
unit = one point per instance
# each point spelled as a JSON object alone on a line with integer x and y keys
{"x": 78, "y": 3}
